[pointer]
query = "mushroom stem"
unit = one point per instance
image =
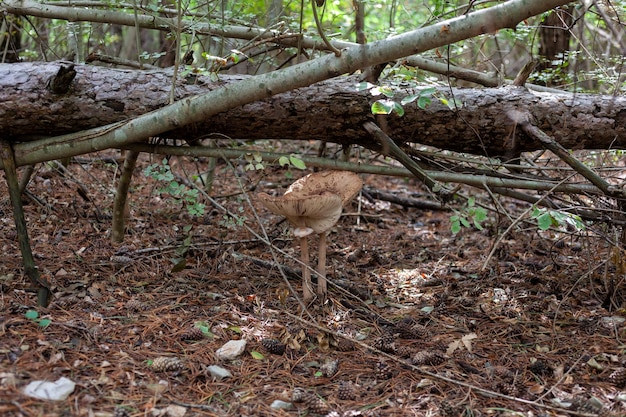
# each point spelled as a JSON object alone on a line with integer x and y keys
{"x": 322, "y": 286}
{"x": 307, "y": 294}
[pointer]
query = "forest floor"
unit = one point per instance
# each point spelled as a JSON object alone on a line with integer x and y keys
{"x": 415, "y": 324}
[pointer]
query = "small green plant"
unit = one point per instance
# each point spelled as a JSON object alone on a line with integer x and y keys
{"x": 471, "y": 214}
{"x": 180, "y": 194}
{"x": 290, "y": 161}
{"x": 179, "y": 261}
{"x": 254, "y": 161}
{"x": 33, "y": 316}
{"x": 234, "y": 220}
{"x": 547, "y": 218}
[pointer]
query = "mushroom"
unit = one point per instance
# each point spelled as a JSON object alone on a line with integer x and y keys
{"x": 314, "y": 204}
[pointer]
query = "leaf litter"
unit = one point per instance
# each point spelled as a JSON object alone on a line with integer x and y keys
{"x": 413, "y": 325}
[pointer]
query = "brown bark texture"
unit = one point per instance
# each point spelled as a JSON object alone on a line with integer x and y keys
{"x": 332, "y": 110}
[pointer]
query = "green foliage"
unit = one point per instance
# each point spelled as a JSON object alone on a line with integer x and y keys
{"x": 33, "y": 316}
{"x": 399, "y": 81}
{"x": 234, "y": 220}
{"x": 179, "y": 261}
{"x": 179, "y": 194}
{"x": 470, "y": 215}
{"x": 257, "y": 355}
{"x": 292, "y": 160}
{"x": 547, "y": 218}
{"x": 205, "y": 328}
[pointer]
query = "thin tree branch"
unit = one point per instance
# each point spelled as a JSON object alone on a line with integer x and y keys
{"x": 550, "y": 144}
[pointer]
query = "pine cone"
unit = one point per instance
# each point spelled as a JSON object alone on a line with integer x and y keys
{"x": 502, "y": 372}
{"x": 433, "y": 358}
{"x": 121, "y": 412}
{"x": 409, "y": 329}
{"x": 311, "y": 401}
{"x": 618, "y": 377}
{"x": 581, "y": 404}
{"x": 274, "y": 346}
{"x": 192, "y": 334}
{"x": 382, "y": 371}
{"x": 297, "y": 395}
{"x": 134, "y": 305}
{"x": 344, "y": 345}
{"x": 315, "y": 404}
{"x": 68, "y": 301}
{"x": 540, "y": 368}
{"x": 121, "y": 260}
{"x": 346, "y": 391}
{"x": 329, "y": 368}
{"x": 166, "y": 364}
{"x": 505, "y": 388}
{"x": 404, "y": 352}
{"x": 448, "y": 410}
{"x": 385, "y": 343}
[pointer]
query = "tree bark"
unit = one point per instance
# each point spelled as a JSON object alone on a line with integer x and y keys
{"x": 332, "y": 110}
{"x": 197, "y": 109}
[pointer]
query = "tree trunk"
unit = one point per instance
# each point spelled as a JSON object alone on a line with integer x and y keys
{"x": 554, "y": 37}
{"x": 331, "y": 110}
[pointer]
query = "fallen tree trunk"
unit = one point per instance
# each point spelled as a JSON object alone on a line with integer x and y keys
{"x": 331, "y": 110}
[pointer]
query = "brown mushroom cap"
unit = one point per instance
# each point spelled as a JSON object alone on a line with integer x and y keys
{"x": 318, "y": 212}
{"x": 345, "y": 184}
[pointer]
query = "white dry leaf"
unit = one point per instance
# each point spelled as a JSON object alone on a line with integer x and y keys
{"x": 465, "y": 341}
{"x": 452, "y": 347}
{"x": 58, "y": 390}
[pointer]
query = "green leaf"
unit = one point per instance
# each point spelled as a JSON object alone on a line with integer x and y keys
{"x": 383, "y": 106}
{"x": 362, "y": 86}
{"x": 409, "y": 99}
{"x": 257, "y": 355}
{"x": 179, "y": 264}
{"x": 384, "y": 90}
{"x": 204, "y": 328}
{"x": 544, "y": 221}
{"x": 455, "y": 104}
{"x": 44, "y": 323}
{"x": 480, "y": 215}
{"x": 423, "y": 102}
{"x": 397, "y": 107}
{"x": 455, "y": 226}
{"x": 31, "y": 315}
{"x": 234, "y": 56}
{"x": 297, "y": 162}
{"x": 235, "y": 329}
{"x": 283, "y": 160}
{"x": 427, "y": 92}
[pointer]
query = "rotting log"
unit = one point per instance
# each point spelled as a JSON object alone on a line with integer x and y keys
{"x": 331, "y": 110}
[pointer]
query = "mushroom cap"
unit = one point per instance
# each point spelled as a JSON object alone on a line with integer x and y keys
{"x": 345, "y": 184}
{"x": 319, "y": 212}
